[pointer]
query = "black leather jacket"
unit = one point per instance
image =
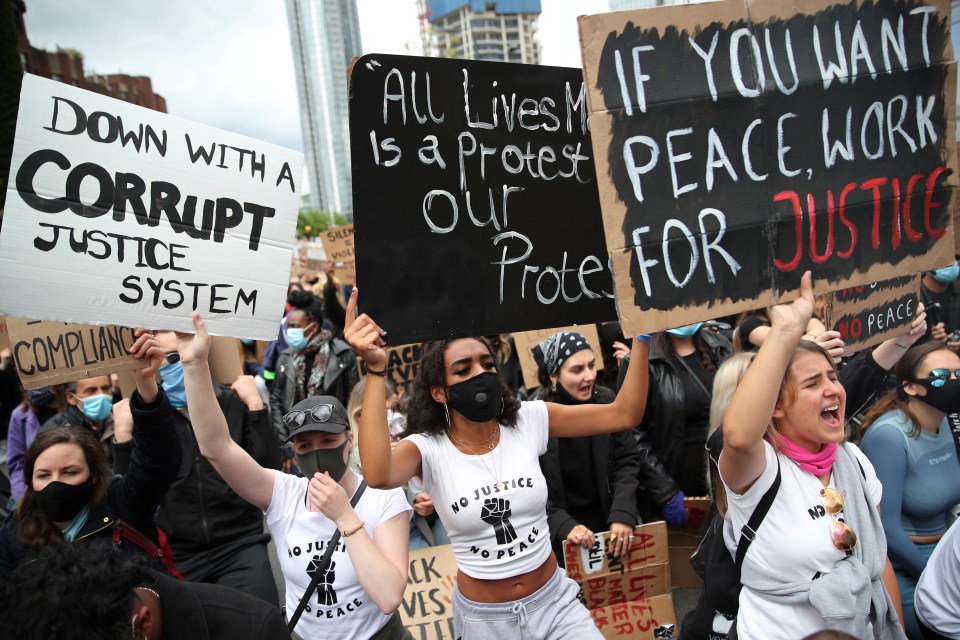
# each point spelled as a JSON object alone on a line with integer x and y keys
{"x": 660, "y": 436}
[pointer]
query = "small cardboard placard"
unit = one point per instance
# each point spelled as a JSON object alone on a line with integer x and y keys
{"x": 338, "y": 243}
{"x": 685, "y": 540}
{"x": 638, "y": 619}
{"x": 866, "y": 316}
{"x": 738, "y": 145}
{"x": 525, "y": 341}
{"x": 649, "y": 547}
{"x": 645, "y": 582}
{"x": 427, "y": 606}
{"x": 161, "y": 217}
{"x": 47, "y": 352}
{"x": 403, "y": 363}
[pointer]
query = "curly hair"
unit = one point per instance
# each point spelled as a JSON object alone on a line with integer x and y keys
{"x": 72, "y": 592}
{"x": 424, "y": 414}
{"x": 309, "y": 303}
{"x": 905, "y": 369}
{"x": 34, "y": 528}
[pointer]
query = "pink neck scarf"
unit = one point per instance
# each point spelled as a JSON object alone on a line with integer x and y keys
{"x": 818, "y": 464}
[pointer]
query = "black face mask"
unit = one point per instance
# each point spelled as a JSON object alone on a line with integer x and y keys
{"x": 945, "y": 398}
{"x": 478, "y": 399}
{"x": 320, "y": 460}
{"x": 61, "y": 502}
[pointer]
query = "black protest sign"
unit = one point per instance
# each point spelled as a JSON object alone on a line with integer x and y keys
{"x": 868, "y": 315}
{"x": 47, "y": 352}
{"x": 475, "y": 200}
{"x": 427, "y": 606}
{"x": 737, "y": 150}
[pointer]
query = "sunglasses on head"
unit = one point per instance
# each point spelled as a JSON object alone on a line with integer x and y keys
{"x": 843, "y": 536}
{"x": 938, "y": 377}
{"x": 318, "y": 414}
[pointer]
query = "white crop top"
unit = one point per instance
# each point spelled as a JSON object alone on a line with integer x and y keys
{"x": 493, "y": 506}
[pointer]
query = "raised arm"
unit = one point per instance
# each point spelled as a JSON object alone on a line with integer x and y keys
{"x": 624, "y": 412}
{"x": 382, "y": 468}
{"x": 752, "y": 405}
{"x": 248, "y": 479}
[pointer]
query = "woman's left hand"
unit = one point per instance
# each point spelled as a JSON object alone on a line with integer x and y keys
{"x": 621, "y": 535}
{"x": 328, "y": 497}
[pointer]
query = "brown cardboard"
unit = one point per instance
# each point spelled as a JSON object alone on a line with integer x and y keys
{"x": 46, "y": 352}
{"x": 4, "y": 336}
{"x": 685, "y": 540}
{"x": 403, "y": 363}
{"x": 525, "y": 341}
{"x": 226, "y": 363}
{"x": 649, "y": 547}
{"x": 644, "y": 582}
{"x": 868, "y": 315}
{"x": 128, "y": 383}
{"x": 688, "y": 94}
{"x": 338, "y": 243}
{"x": 638, "y": 619}
{"x": 427, "y": 606}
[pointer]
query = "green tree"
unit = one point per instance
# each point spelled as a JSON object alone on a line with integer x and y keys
{"x": 311, "y": 222}
{"x": 11, "y": 76}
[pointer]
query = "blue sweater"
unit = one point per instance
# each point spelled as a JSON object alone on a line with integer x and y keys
{"x": 921, "y": 481}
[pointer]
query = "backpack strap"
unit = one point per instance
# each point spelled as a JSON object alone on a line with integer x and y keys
{"x": 749, "y": 530}
{"x": 162, "y": 552}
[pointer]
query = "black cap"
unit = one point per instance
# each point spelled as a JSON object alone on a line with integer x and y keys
{"x": 312, "y": 414}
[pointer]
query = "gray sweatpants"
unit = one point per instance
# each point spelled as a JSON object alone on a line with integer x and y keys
{"x": 552, "y": 612}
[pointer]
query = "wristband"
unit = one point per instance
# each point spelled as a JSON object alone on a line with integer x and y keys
{"x": 346, "y": 533}
{"x": 382, "y": 373}
{"x": 644, "y": 337}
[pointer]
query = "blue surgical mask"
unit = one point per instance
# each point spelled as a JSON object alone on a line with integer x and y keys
{"x": 296, "y": 338}
{"x": 246, "y": 341}
{"x": 171, "y": 376}
{"x": 686, "y": 332}
{"x": 97, "y": 407}
{"x": 947, "y": 274}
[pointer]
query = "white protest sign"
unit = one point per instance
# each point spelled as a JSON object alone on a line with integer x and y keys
{"x": 117, "y": 214}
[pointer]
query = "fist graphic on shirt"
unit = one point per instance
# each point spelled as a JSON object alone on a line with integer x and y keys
{"x": 496, "y": 512}
{"x": 326, "y": 595}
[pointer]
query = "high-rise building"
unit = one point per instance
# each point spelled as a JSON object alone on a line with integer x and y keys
{"x": 504, "y": 30}
{"x": 325, "y": 35}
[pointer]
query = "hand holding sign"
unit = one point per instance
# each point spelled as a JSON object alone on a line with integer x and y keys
{"x": 794, "y": 316}
{"x": 122, "y": 421}
{"x": 147, "y": 348}
{"x": 194, "y": 347}
{"x": 364, "y": 336}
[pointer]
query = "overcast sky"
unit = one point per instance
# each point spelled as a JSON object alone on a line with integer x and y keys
{"x": 228, "y": 63}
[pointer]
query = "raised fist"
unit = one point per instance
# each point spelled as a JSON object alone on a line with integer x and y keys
{"x": 326, "y": 595}
{"x": 496, "y": 512}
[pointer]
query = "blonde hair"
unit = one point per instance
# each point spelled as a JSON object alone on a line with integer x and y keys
{"x": 725, "y": 383}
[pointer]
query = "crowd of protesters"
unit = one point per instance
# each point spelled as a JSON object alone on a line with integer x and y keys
{"x": 151, "y": 515}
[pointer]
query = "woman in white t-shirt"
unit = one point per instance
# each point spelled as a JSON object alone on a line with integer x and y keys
{"x": 476, "y": 449}
{"x": 806, "y": 570}
{"x": 361, "y": 588}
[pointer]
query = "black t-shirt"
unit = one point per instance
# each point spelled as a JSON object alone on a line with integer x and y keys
{"x": 747, "y": 325}
{"x": 696, "y": 415}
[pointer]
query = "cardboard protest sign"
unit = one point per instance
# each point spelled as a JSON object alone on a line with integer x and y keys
{"x": 645, "y": 582}
{"x": 638, "y": 619}
{"x": 525, "y": 341}
{"x": 225, "y": 359}
{"x": 338, "y": 243}
{"x": 46, "y": 352}
{"x": 427, "y": 605}
{"x": 119, "y": 214}
{"x": 738, "y": 146}
{"x": 868, "y": 315}
{"x": 684, "y": 541}
{"x": 475, "y": 201}
{"x": 649, "y": 547}
{"x": 403, "y": 363}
